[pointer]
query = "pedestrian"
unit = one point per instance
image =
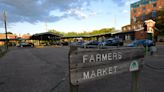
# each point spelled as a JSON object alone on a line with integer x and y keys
{"x": 153, "y": 50}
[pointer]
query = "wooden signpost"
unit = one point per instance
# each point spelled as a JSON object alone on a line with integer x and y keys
{"x": 87, "y": 65}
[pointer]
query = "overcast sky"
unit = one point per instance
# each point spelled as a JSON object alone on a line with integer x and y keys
{"x": 35, "y": 16}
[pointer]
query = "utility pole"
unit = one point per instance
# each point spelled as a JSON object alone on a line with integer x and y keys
{"x": 115, "y": 21}
{"x": 5, "y": 23}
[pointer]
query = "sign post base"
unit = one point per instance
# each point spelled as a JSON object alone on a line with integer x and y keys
{"x": 74, "y": 88}
{"x": 135, "y": 81}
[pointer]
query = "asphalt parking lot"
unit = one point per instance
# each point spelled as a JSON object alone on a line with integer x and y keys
{"x": 46, "y": 70}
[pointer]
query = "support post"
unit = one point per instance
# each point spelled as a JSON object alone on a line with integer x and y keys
{"x": 135, "y": 81}
{"x": 146, "y": 50}
{"x": 73, "y": 88}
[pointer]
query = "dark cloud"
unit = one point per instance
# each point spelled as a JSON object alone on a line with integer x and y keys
{"x": 33, "y": 11}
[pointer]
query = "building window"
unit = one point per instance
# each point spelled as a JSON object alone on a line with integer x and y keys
{"x": 143, "y": 8}
{"x": 144, "y": 2}
{"x": 134, "y": 11}
{"x": 154, "y": 5}
{"x": 154, "y": 14}
{"x": 135, "y": 5}
{"x": 135, "y": 19}
{"x": 153, "y": 0}
{"x": 143, "y": 17}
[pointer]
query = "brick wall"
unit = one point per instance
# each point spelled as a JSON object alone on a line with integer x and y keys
{"x": 145, "y": 9}
{"x": 140, "y": 35}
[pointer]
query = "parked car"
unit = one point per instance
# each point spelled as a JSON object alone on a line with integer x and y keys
{"x": 11, "y": 44}
{"x": 65, "y": 43}
{"x": 25, "y": 44}
{"x": 112, "y": 42}
{"x": 91, "y": 44}
{"x": 55, "y": 43}
{"x": 76, "y": 44}
{"x": 145, "y": 42}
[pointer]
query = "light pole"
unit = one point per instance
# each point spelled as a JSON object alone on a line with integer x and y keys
{"x": 5, "y": 23}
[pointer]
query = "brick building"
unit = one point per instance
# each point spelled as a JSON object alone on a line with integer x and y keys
{"x": 141, "y": 11}
{"x": 10, "y": 37}
{"x": 26, "y": 36}
{"x": 144, "y": 10}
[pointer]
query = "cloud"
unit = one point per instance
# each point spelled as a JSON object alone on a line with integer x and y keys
{"x": 79, "y": 13}
{"x": 125, "y": 11}
{"x": 82, "y": 13}
{"x": 34, "y": 11}
{"x": 121, "y": 3}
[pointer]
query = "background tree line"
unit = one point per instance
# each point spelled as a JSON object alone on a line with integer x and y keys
{"x": 94, "y": 32}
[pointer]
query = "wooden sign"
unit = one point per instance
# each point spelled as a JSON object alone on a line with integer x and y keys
{"x": 93, "y": 64}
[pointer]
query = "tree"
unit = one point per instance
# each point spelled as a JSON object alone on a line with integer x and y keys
{"x": 71, "y": 34}
{"x": 9, "y": 33}
{"x": 94, "y": 32}
{"x": 56, "y": 32}
{"x": 160, "y": 21}
{"x": 102, "y": 31}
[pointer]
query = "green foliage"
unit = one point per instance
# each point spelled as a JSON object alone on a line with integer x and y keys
{"x": 160, "y": 21}
{"x": 102, "y": 31}
{"x": 9, "y": 33}
{"x": 56, "y": 32}
{"x": 94, "y": 32}
{"x": 71, "y": 34}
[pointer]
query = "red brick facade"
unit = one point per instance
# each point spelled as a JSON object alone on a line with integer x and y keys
{"x": 9, "y": 36}
{"x": 141, "y": 12}
{"x": 26, "y": 36}
{"x": 140, "y": 35}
